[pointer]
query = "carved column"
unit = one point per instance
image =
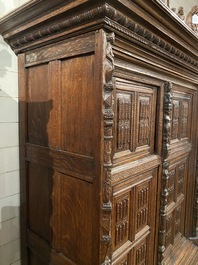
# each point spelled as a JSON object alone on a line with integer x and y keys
{"x": 165, "y": 170}
{"x": 195, "y": 226}
{"x": 108, "y": 137}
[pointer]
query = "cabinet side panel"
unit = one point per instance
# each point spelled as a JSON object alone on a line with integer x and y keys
{"x": 39, "y": 104}
{"x": 39, "y": 202}
{"x": 76, "y": 213}
{"x": 77, "y": 105}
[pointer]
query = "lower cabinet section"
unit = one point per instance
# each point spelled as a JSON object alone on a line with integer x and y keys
{"x": 138, "y": 255}
{"x": 134, "y": 209}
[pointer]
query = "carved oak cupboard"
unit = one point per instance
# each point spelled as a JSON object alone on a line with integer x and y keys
{"x": 108, "y": 132}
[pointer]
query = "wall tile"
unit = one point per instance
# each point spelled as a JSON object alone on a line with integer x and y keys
{"x": 18, "y": 262}
{"x": 9, "y": 135}
{"x": 9, "y": 231}
{"x": 8, "y": 109}
{"x": 8, "y": 84}
{"x": 9, "y": 159}
{"x": 9, "y": 183}
{"x": 8, "y": 60}
{"x": 9, "y": 207}
{"x": 10, "y": 253}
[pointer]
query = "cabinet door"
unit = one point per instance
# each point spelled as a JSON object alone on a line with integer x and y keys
{"x": 134, "y": 174}
{"x": 178, "y": 170}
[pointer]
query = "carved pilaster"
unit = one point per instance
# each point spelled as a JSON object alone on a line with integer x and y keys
{"x": 108, "y": 115}
{"x": 165, "y": 171}
{"x": 195, "y": 226}
{"x": 167, "y": 119}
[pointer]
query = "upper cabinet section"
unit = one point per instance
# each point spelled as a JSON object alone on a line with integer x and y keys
{"x": 144, "y": 23}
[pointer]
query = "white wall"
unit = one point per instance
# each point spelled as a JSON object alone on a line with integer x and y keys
{"x": 9, "y": 160}
{"x": 186, "y": 4}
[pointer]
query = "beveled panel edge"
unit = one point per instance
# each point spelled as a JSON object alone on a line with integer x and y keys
{"x": 74, "y": 165}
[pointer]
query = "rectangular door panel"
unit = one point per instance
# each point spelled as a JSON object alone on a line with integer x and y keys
{"x": 134, "y": 219}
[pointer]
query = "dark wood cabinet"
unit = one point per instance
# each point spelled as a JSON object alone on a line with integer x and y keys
{"x": 108, "y": 131}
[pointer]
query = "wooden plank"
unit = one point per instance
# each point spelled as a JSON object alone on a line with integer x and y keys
{"x": 22, "y": 136}
{"x": 64, "y": 162}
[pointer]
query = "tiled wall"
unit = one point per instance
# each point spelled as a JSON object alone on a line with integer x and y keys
{"x": 9, "y": 161}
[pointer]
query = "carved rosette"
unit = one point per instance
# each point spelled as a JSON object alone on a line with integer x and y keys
{"x": 108, "y": 114}
{"x": 165, "y": 170}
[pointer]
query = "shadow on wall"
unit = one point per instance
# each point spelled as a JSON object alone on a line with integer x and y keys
{"x": 9, "y": 221}
{"x": 9, "y": 229}
{"x": 9, "y": 209}
{"x": 5, "y": 56}
{"x": 5, "y": 59}
{"x": 2, "y": 7}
